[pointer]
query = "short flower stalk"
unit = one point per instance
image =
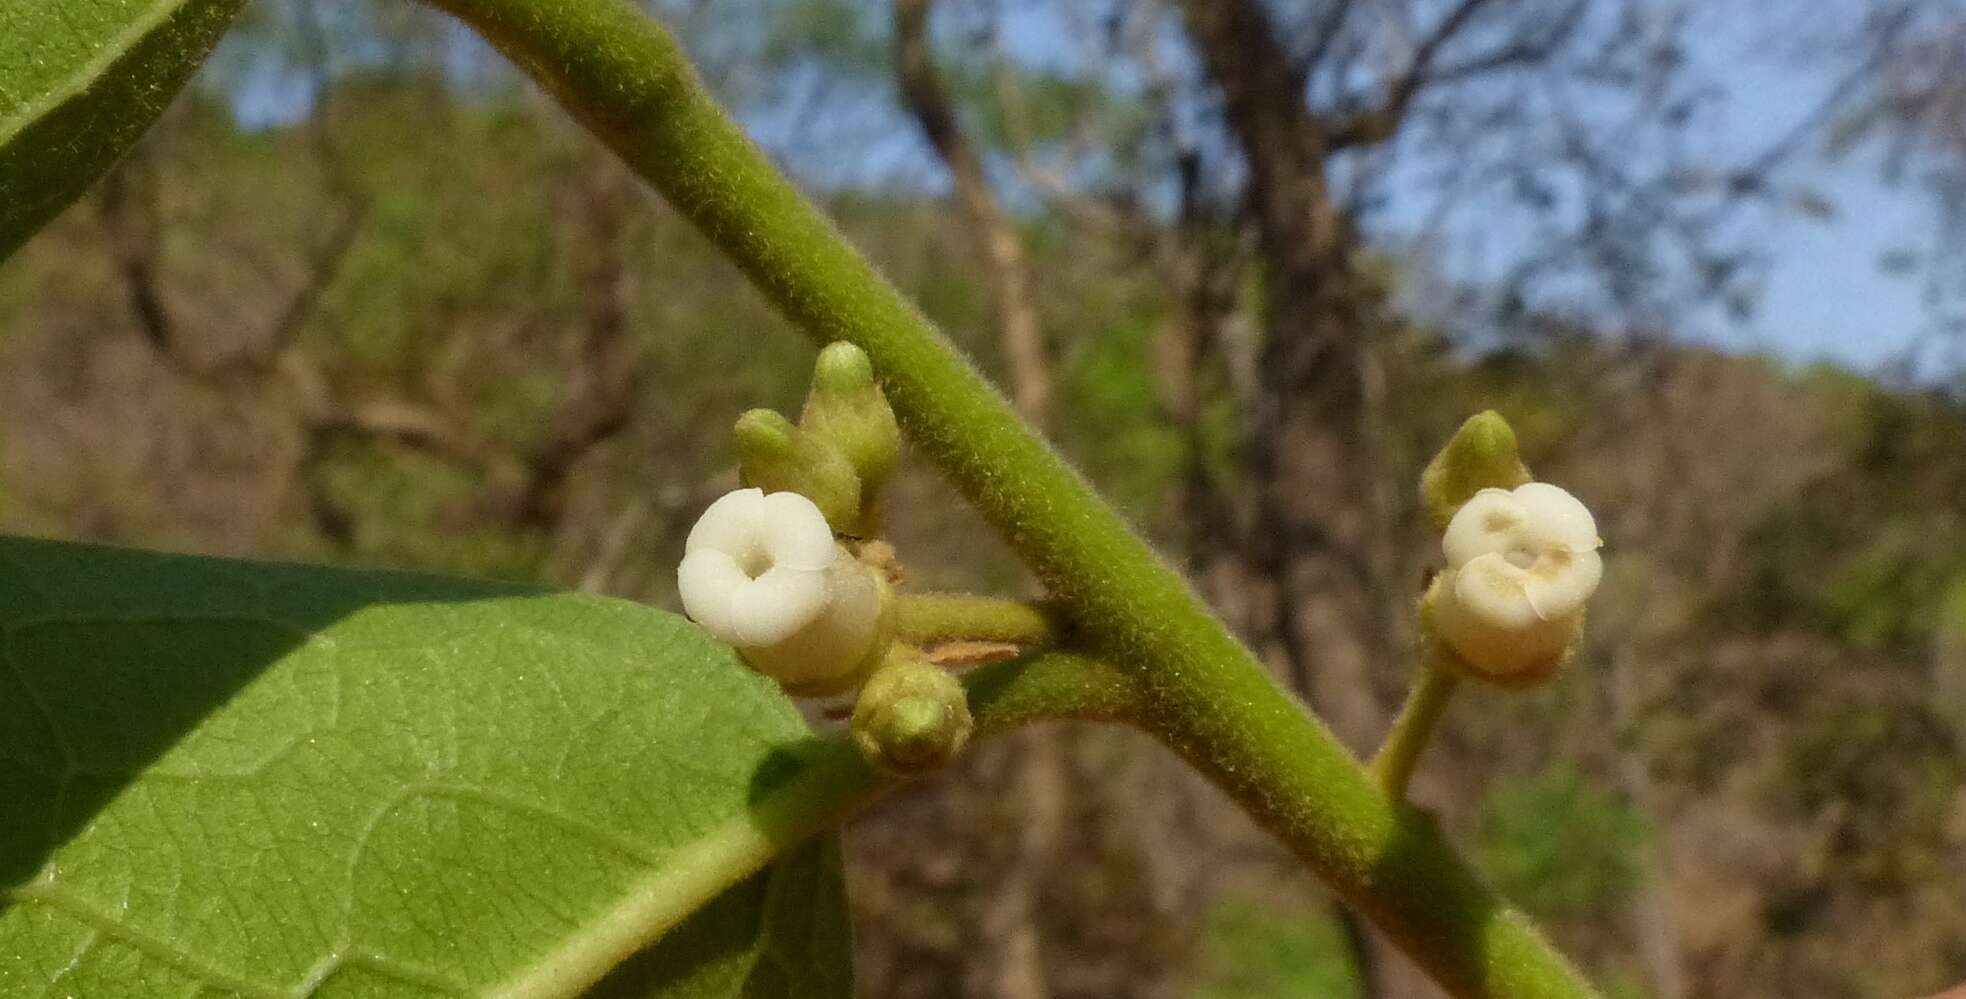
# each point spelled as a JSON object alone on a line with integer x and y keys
{"x": 1392, "y": 767}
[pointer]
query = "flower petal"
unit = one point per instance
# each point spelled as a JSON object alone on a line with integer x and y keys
{"x": 1490, "y": 521}
{"x": 1491, "y": 589}
{"x": 769, "y": 609}
{"x": 729, "y": 525}
{"x": 706, "y": 580}
{"x": 834, "y": 650}
{"x": 796, "y": 533}
{"x": 1557, "y": 519}
{"x": 1562, "y": 580}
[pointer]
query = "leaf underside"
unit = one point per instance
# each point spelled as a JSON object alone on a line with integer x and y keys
{"x": 80, "y": 80}
{"x": 238, "y": 779}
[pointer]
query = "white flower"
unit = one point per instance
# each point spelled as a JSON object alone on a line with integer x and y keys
{"x": 763, "y": 573}
{"x": 1521, "y": 564}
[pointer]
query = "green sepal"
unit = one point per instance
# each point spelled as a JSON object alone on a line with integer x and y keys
{"x": 776, "y": 456}
{"x": 1481, "y": 455}
{"x": 847, "y": 408}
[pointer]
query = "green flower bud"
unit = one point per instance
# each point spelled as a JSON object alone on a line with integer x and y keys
{"x": 847, "y": 408}
{"x": 1481, "y": 455}
{"x": 776, "y": 456}
{"x": 911, "y": 718}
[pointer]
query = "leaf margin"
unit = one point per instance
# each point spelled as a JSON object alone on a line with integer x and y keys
{"x": 61, "y": 140}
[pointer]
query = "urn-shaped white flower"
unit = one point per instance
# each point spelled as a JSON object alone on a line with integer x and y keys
{"x": 1520, "y": 565}
{"x": 763, "y": 573}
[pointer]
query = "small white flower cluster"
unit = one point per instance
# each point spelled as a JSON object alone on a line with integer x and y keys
{"x": 763, "y": 573}
{"x": 1520, "y": 565}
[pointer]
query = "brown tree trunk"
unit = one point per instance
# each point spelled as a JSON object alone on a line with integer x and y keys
{"x": 1305, "y": 441}
{"x": 1305, "y": 454}
{"x": 1019, "y": 329}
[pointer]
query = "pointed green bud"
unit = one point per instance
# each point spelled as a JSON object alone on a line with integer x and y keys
{"x": 912, "y": 717}
{"x": 776, "y": 456}
{"x": 1482, "y": 455}
{"x": 765, "y": 434}
{"x": 847, "y": 408}
{"x": 843, "y": 369}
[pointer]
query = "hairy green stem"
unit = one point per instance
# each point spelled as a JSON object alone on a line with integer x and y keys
{"x": 1393, "y": 765}
{"x": 1200, "y": 691}
{"x": 1049, "y": 686}
{"x": 924, "y": 619}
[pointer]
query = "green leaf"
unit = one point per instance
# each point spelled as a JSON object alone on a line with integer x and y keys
{"x": 238, "y": 779}
{"x": 80, "y": 80}
{"x": 791, "y": 921}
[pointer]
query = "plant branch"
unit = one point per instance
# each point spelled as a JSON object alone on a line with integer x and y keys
{"x": 1049, "y": 686}
{"x": 1199, "y": 690}
{"x": 950, "y": 617}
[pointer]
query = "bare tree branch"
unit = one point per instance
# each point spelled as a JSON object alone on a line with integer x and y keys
{"x": 1010, "y": 281}
{"x": 418, "y": 426}
{"x": 1329, "y": 27}
{"x": 1383, "y": 120}
{"x": 128, "y": 210}
{"x": 1090, "y": 212}
{"x": 606, "y": 380}
{"x": 323, "y": 261}
{"x": 1883, "y": 44}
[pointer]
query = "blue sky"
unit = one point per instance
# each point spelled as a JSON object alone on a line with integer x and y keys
{"x": 1824, "y": 295}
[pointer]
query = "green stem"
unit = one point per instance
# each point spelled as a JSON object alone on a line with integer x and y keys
{"x": 1049, "y": 686}
{"x": 1201, "y": 692}
{"x": 927, "y": 618}
{"x": 1393, "y": 766}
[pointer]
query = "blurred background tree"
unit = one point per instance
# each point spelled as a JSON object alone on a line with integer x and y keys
{"x": 364, "y": 297}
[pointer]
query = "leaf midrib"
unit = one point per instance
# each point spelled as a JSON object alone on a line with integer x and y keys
{"x": 691, "y": 876}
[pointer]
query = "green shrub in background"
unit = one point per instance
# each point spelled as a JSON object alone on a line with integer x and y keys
{"x": 1253, "y": 951}
{"x": 1553, "y": 841}
{"x": 1559, "y": 846}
